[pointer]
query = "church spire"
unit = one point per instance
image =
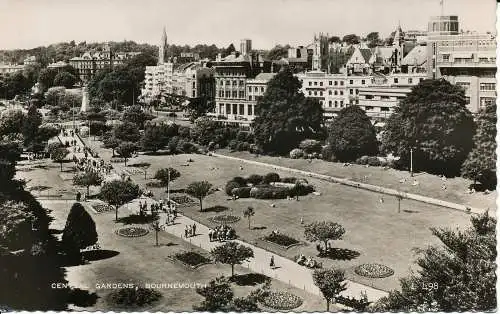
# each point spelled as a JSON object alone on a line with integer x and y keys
{"x": 162, "y": 50}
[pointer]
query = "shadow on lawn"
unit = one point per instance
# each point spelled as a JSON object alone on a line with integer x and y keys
{"x": 411, "y": 211}
{"x": 259, "y": 228}
{"x": 97, "y": 255}
{"x": 341, "y": 254}
{"x": 251, "y": 279}
{"x": 137, "y": 219}
{"x": 215, "y": 209}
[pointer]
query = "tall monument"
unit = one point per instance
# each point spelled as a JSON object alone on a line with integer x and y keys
{"x": 85, "y": 100}
{"x": 162, "y": 49}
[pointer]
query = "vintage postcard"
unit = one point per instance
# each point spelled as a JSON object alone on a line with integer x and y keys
{"x": 248, "y": 156}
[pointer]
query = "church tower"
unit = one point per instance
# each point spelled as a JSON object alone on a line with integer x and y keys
{"x": 162, "y": 49}
{"x": 398, "y": 45}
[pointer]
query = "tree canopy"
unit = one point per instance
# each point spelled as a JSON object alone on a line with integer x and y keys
{"x": 167, "y": 175}
{"x": 285, "y": 116}
{"x": 80, "y": 231}
{"x": 231, "y": 253}
{"x": 200, "y": 190}
{"x": 351, "y": 39}
{"x": 433, "y": 121}
{"x": 352, "y": 135}
{"x": 127, "y": 132}
{"x": 119, "y": 192}
{"x": 324, "y": 231}
{"x": 65, "y": 79}
{"x": 331, "y": 282}
{"x": 87, "y": 179}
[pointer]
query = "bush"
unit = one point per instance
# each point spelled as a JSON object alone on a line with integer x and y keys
{"x": 242, "y": 136}
{"x": 327, "y": 153}
{"x": 185, "y": 147}
{"x": 134, "y": 297}
{"x": 242, "y": 146}
{"x": 172, "y": 144}
{"x": 233, "y": 144}
{"x": 271, "y": 177}
{"x": 255, "y": 179}
{"x": 289, "y": 180}
{"x": 230, "y": 186}
{"x": 374, "y": 161}
{"x": 296, "y": 153}
{"x": 255, "y": 149}
{"x": 184, "y": 132}
{"x": 301, "y": 189}
{"x": 211, "y": 146}
{"x": 363, "y": 160}
{"x": 269, "y": 192}
{"x": 240, "y": 180}
{"x": 242, "y": 192}
{"x": 310, "y": 146}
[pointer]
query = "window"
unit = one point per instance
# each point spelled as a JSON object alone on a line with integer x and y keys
{"x": 194, "y": 84}
{"x": 329, "y": 92}
{"x": 396, "y": 80}
{"x": 487, "y": 86}
{"x": 228, "y": 94}
{"x": 315, "y": 83}
{"x": 242, "y": 109}
{"x": 250, "y": 97}
{"x": 384, "y": 109}
{"x": 485, "y": 101}
{"x": 227, "y": 83}
{"x": 228, "y": 108}
{"x": 336, "y": 82}
{"x": 446, "y": 58}
{"x": 351, "y": 91}
{"x": 235, "y": 109}
{"x": 249, "y": 89}
{"x": 384, "y": 97}
{"x": 362, "y": 82}
{"x": 321, "y": 93}
{"x": 242, "y": 94}
{"x": 255, "y": 89}
{"x": 221, "y": 94}
{"x": 357, "y": 91}
{"x": 368, "y": 107}
{"x": 315, "y": 93}
{"x": 242, "y": 82}
{"x": 234, "y": 83}
{"x": 341, "y": 103}
{"x": 351, "y": 82}
{"x": 310, "y": 93}
{"x": 336, "y": 104}
{"x": 341, "y": 92}
{"x": 249, "y": 110}
{"x": 262, "y": 89}
{"x": 421, "y": 79}
{"x": 329, "y": 103}
{"x": 336, "y": 92}
{"x": 310, "y": 83}
{"x": 221, "y": 108}
{"x": 235, "y": 94}
{"x": 330, "y": 83}
{"x": 193, "y": 94}
{"x": 410, "y": 80}
{"x": 341, "y": 83}
{"x": 369, "y": 97}
{"x": 320, "y": 83}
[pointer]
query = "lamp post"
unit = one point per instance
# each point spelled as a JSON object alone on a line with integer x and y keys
{"x": 411, "y": 162}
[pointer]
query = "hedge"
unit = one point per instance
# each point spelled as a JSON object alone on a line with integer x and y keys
{"x": 296, "y": 153}
{"x": 240, "y": 180}
{"x": 230, "y": 186}
{"x": 271, "y": 177}
{"x": 242, "y": 192}
{"x": 270, "y": 192}
{"x": 255, "y": 179}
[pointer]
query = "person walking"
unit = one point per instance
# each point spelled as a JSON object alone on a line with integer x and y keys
{"x": 194, "y": 229}
{"x": 210, "y": 233}
{"x": 271, "y": 263}
{"x": 186, "y": 232}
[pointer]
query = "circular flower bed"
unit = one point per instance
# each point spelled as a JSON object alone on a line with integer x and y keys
{"x": 182, "y": 199}
{"x": 132, "y": 297}
{"x": 192, "y": 259}
{"x": 224, "y": 219}
{"x": 282, "y": 300}
{"x": 374, "y": 271}
{"x": 132, "y": 232}
{"x": 101, "y": 208}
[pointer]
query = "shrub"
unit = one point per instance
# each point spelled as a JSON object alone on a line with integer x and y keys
{"x": 310, "y": 146}
{"x": 255, "y": 179}
{"x": 327, "y": 153}
{"x": 269, "y": 192}
{"x": 242, "y": 136}
{"x": 363, "y": 160}
{"x": 242, "y": 146}
{"x": 230, "y": 186}
{"x": 184, "y": 132}
{"x": 186, "y": 147}
{"x": 233, "y": 144}
{"x": 172, "y": 144}
{"x": 240, "y": 180}
{"x": 211, "y": 146}
{"x": 242, "y": 192}
{"x": 302, "y": 189}
{"x": 134, "y": 297}
{"x": 271, "y": 177}
{"x": 289, "y": 180}
{"x": 373, "y": 161}
{"x": 255, "y": 149}
{"x": 296, "y": 153}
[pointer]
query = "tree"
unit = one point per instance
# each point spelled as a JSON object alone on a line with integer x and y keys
{"x": 55, "y": 96}
{"x": 218, "y": 294}
{"x": 285, "y": 116}
{"x": 231, "y": 253}
{"x": 31, "y": 125}
{"x": 248, "y": 213}
{"x": 65, "y": 79}
{"x": 324, "y": 231}
{"x": 46, "y": 77}
{"x": 433, "y": 121}
{"x": 59, "y": 155}
{"x": 374, "y": 39}
{"x": 127, "y": 132}
{"x": 86, "y": 179}
{"x": 203, "y": 130}
{"x": 119, "y": 192}
{"x": 125, "y": 150}
{"x": 278, "y": 52}
{"x": 167, "y": 175}
{"x": 334, "y": 39}
{"x": 111, "y": 142}
{"x": 480, "y": 163}
{"x": 457, "y": 275}
{"x": 16, "y": 221}
{"x": 198, "y": 107}
{"x": 352, "y": 135}
{"x": 79, "y": 232}
{"x": 199, "y": 190}
{"x": 11, "y": 121}
{"x": 229, "y": 50}
{"x": 351, "y": 39}
{"x": 13, "y": 85}
{"x": 154, "y": 138}
{"x": 137, "y": 116}
{"x": 331, "y": 282}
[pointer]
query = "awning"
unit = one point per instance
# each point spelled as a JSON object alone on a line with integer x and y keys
{"x": 486, "y": 54}
{"x": 466, "y": 55}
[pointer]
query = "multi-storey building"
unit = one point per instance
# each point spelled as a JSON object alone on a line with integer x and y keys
{"x": 466, "y": 59}
{"x": 57, "y": 65}
{"x": 193, "y": 80}
{"x": 245, "y": 46}
{"x": 157, "y": 80}
{"x": 30, "y": 60}
{"x": 8, "y": 69}
{"x": 90, "y": 62}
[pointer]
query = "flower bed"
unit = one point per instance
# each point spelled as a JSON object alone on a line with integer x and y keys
{"x": 281, "y": 239}
{"x": 132, "y": 297}
{"x": 192, "y": 259}
{"x": 182, "y": 199}
{"x": 132, "y": 232}
{"x": 224, "y": 219}
{"x": 282, "y": 300}
{"x": 102, "y": 208}
{"x": 374, "y": 271}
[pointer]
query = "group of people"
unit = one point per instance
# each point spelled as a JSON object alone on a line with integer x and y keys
{"x": 308, "y": 261}
{"x": 92, "y": 165}
{"x": 190, "y": 230}
{"x": 221, "y": 233}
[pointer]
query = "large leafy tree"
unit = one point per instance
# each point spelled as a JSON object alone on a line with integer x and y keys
{"x": 31, "y": 125}
{"x": 46, "y": 77}
{"x": 434, "y": 122}
{"x": 127, "y": 131}
{"x": 331, "y": 282}
{"x": 278, "y": 52}
{"x": 11, "y": 121}
{"x": 79, "y": 232}
{"x": 324, "y": 231}
{"x": 167, "y": 175}
{"x": 199, "y": 190}
{"x": 459, "y": 275}
{"x": 16, "y": 221}
{"x": 352, "y": 135}
{"x": 87, "y": 179}
{"x": 125, "y": 150}
{"x": 351, "y": 39}
{"x": 231, "y": 253}
{"x": 65, "y": 79}
{"x": 480, "y": 164}
{"x": 285, "y": 116}
{"x": 119, "y": 192}
{"x": 198, "y": 107}
{"x": 153, "y": 138}
{"x": 59, "y": 155}
{"x": 15, "y": 84}
{"x": 136, "y": 115}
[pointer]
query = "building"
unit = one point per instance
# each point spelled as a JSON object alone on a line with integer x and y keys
{"x": 30, "y": 60}
{"x": 57, "y": 65}
{"x": 157, "y": 80}
{"x": 162, "y": 48}
{"x": 245, "y": 46}
{"x": 8, "y": 69}
{"x": 193, "y": 80}
{"x": 466, "y": 59}
{"x": 90, "y": 62}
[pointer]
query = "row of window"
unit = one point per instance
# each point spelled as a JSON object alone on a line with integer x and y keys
{"x": 231, "y": 94}
{"x": 330, "y": 83}
{"x": 381, "y": 108}
{"x": 487, "y": 86}
{"x": 234, "y": 83}
{"x": 337, "y": 103}
{"x": 238, "y": 109}
{"x": 256, "y": 98}
{"x": 256, "y": 89}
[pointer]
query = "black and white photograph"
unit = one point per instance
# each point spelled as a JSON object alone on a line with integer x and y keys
{"x": 248, "y": 156}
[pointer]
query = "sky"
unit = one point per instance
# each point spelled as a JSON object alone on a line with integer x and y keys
{"x": 27, "y": 24}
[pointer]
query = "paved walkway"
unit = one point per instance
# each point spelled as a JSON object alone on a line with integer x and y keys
{"x": 286, "y": 270}
{"x": 370, "y": 187}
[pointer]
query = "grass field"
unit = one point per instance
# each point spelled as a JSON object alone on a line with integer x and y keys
{"x": 375, "y": 232}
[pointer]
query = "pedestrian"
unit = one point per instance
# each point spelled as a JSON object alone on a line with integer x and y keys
{"x": 194, "y": 229}
{"x": 78, "y": 196}
{"x": 271, "y": 263}
{"x": 186, "y": 232}
{"x": 381, "y": 200}
{"x": 301, "y": 220}
{"x": 210, "y": 233}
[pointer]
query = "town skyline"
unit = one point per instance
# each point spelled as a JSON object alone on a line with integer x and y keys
{"x": 143, "y": 22}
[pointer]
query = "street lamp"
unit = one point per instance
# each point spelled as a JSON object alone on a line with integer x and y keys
{"x": 411, "y": 162}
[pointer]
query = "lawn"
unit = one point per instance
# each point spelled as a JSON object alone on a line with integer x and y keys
{"x": 375, "y": 231}
{"x": 139, "y": 261}
{"x": 429, "y": 185}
